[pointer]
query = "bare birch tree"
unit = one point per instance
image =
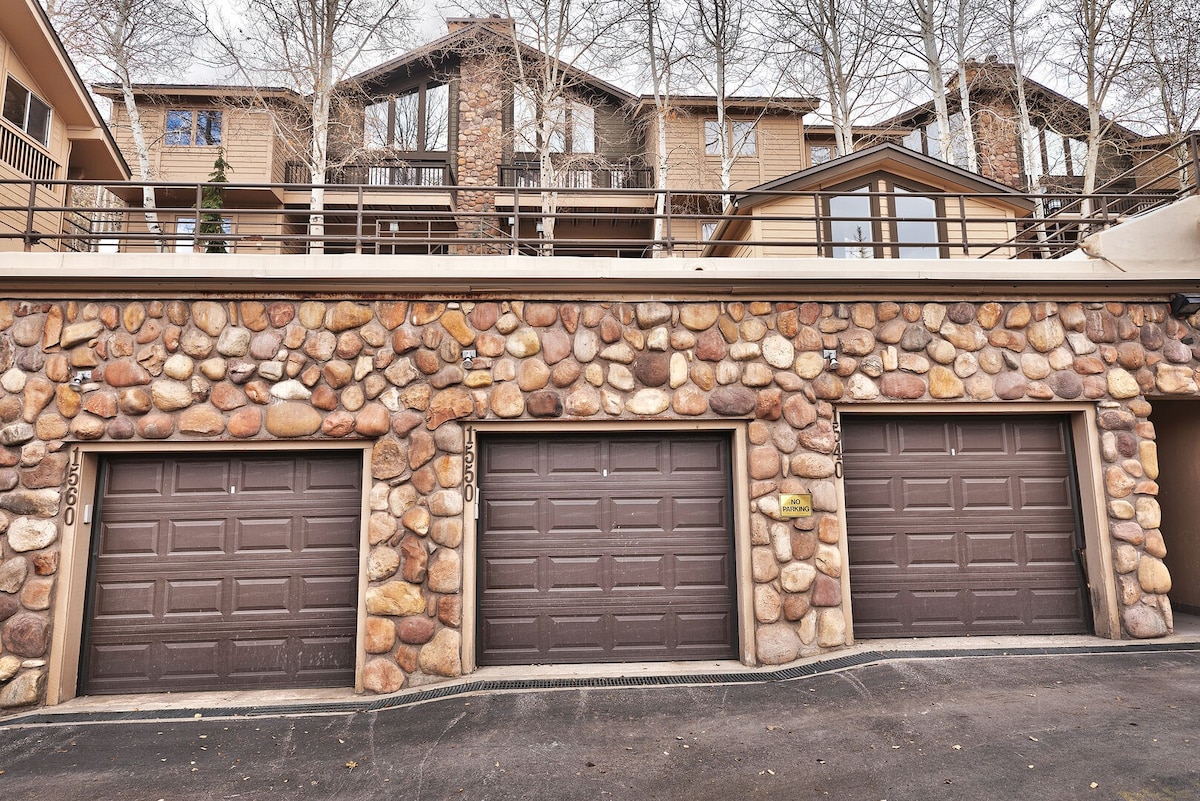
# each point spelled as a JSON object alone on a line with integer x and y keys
{"x": 658, "y": 29}
{"x": 552, "y": 42}
{"x": 1167, "y": 68}
{"x": 940, "y": 37}
{"x": 729, "y": 55}
{"x": 1021, "y": 26}
{"x": 312, "y": 47}
{"x": 848, "y": 51}
{"x": 129, "y": 41}
{"x": 1101, "y": 36}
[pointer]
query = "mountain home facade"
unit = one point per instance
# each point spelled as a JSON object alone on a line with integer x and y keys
{"x": 383, "y": 470}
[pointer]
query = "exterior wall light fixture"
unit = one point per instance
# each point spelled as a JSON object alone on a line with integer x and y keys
{"x": 1185, "y": 304}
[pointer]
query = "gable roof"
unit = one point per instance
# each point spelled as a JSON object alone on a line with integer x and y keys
{"x": 471, "y": 34}
{"x": 31, "y": 36}
{"x": 885, "y": 157}
{"x": 997, "y": 76}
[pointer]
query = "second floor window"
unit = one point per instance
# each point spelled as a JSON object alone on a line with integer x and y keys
{"x": 569, "y": 125}
{"x": 415, "y": 122}
{"x": 741, "y": 135}
{"x": 27, "y": 111}
{"x": 193, "y": 127}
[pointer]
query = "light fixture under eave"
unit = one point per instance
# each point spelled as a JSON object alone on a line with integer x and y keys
{"x": 1185, "y": 304}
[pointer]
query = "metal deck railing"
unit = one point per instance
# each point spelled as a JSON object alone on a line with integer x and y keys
{"x": 406, "y": 214}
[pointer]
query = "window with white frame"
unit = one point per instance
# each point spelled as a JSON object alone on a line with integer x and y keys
{"x": 27, "y": 111}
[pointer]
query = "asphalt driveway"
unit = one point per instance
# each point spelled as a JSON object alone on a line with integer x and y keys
{"x": 1121, "y": 725}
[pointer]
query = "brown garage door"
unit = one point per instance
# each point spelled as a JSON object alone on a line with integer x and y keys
{"x": 224, "y": 572}
{"x": 961, "y": 525}
{"x": 605, "y": 549}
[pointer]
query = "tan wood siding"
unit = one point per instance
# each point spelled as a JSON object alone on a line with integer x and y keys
{"x": 246, "y": 134}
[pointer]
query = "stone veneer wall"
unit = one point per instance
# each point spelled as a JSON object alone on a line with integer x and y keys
{"x": 480, "y": 149}
{"x": 999, "y": 138}
{"x": 244, "y": 372}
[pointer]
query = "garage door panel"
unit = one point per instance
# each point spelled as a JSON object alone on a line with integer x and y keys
{"x": 566, "y": 462}
{"x": 321, "y": 593}
{"x": 697, "y": 457}
{"x": 212, "y": 568}
{"x": 261, "y": 595}
{"x": 138, "y": 478}
{"x": 870, "y": 494}
{"x": 258, "y": 657}
{"x": 1050, "y": 549}
{"x": 325, "y": 535}
{"x": 1045, "y": 493}
{"x": 1039, "y": 439}
{"x": 648, "y": 571}
{"x": 979, "y": 564}
{"x": 512, "y": 514}
{"x": 645, "y": 513}
{"x": 575, "y": 515}
{"x": 199, "y": 477}
{"x": 703, "y": 629}
{"x": 125, "y": 600}
{"x": 929, "y": 550}
{"x": 189, "y": 659}
{"x": 508, "y": 574}
{"x": 262, "y": 535}
{"x": 926, "y": 494}
{"x": 576, "y": 572}
{"x": 623, "y": 541}
{"x": 996, "y": 549}
{"x": 194, "y": 597}
{"x": 981, "y": 438}
{"x": 187, "y": 537}
{"x": 1056, "y": 605}
{"x": 693, "y": 515}
{"x": 129, "y": 539}
{"x": 702, "y": 570}
{"x": 986, "y": 492}
{"x": 636, "y": 458}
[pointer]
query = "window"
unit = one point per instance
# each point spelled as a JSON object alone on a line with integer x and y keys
{"x": 707, "y": 229}
{"x": 193, "y": 127}
{"x": 853, "y": 224}
{"x": 1055, "y": 153}
{"x": 1077, "y": 156}
{"x": 185, "y": 229}
{"x": 712, "y": 138}
{"x": 742, "y": 138}
{"x": 857, "y": 222}
{"x": 407, "y": 131}
{"x": 958, "y": 142}
{"x": 909, "y": 209}
{"x": 375, "y": 124}
{"x": 437, "y": 117}
{"x": 415, "y": 122}
{"x": 570, "y": 124}
{"x": 819, "y": 154}
{"x": 745, "y": 138}
{"x": 27, "y": 111}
